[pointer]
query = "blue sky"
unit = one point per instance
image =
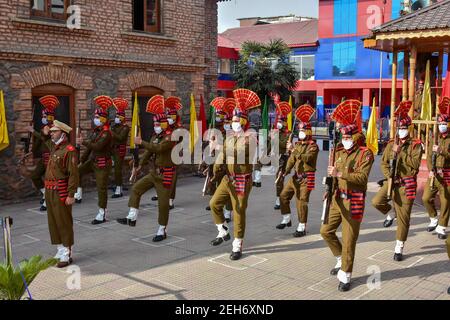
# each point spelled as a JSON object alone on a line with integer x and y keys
{"x": 231, "y": 10}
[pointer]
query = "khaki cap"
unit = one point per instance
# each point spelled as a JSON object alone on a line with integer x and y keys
{"x": 58, "y": 125}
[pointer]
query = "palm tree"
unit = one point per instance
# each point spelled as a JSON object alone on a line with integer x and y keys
{"x": 265, "y": 69}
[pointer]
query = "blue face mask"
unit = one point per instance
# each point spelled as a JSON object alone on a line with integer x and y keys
{"x": 97, "y": 122}
{"x": 44, "y": 121}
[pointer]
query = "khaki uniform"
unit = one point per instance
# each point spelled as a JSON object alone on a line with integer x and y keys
{"x": 303, "y": 160}
{"x": 41, "y": 149}
{"x": 236, "y": 183}
{"x": 283, "y": 140}
{"x": 173, "y": 190}
{"x": 61, "y": 181}
{"x": 347, "y": 207}
{"x": 441, "y": 182}
{"x": 404, "y": 190}
{"x": 97, "y": 159}
{"x": 160, "y": 177}
{"x": 120, "y": 135}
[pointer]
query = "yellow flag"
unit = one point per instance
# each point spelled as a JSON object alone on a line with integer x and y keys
{"x": 289, "y": 118}
{"x": 135, "y": 125}
{"x": 193, "y": 128}
{"x": 372, "y": 132}
{"x": 4, "y": 138}
{"x": 425, "y": 113}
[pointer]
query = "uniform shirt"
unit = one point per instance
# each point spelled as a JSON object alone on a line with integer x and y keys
{"x": 99, "y": 144}
{"x": 304, "y": 157}
{"x": 63, "y": 164}
{"x": 119, "y": 134}
{"x": 160, "y": 146}
{"x": 354, "y": 165}
{"x": 239, "y": 161}
{"x": 408, "y": 159}
{"x": 443, "y": 159}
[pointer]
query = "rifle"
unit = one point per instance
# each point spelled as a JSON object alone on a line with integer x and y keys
{"x": 78, "y": 133}
{"x": 393, "y": 164}
{"x": 135, "y": 153}
{"x": 6, "y": 224}
{"x": 291, "y": 137}
{"x": 209, "y": 170}
{"x": 27, "y": 141}
{"x": 434, "y": 155}
{"x": 329, "y": 181}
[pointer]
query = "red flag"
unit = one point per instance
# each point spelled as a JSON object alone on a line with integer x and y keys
{"x": 446, "y": 85}
{"x": 202, "y": 115}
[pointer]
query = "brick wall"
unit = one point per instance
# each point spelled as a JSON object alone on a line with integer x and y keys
{"x": 104, "y": 57}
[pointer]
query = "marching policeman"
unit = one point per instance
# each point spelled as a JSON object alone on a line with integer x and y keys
{"x": 97, "y": 156}
{"x": 61, "y": 182}
{"x": 439, "y": 177}
{"x": 282, "y": 111}
{"x": 408, "y": 153}
{"x": 236, "y": 160}
{"x": 40, "y": 146}
{"x": 119, "y": 132}
{"x": 303, "y": 160}
{"x": 351, "y": 168}
{"x": 162, "y": 175}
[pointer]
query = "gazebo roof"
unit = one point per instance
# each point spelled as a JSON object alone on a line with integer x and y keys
{"x": 427, "y": 28}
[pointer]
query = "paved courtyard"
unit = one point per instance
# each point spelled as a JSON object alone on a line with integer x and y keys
{"x": 120, "y": 262}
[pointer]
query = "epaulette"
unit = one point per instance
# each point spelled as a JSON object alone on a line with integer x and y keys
{"x": 70, "y": 147}
{"x": 416, "y": 142}
{"x": 168, "y": 132}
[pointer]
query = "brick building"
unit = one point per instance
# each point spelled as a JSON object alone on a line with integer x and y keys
{"x": 123, "y": 46}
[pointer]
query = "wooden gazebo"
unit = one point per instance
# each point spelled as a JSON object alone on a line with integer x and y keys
{"x": 425, "y": 32}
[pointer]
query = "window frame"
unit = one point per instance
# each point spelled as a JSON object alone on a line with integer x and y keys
{"x": 47, "y": 12}
{"x": 300, "y": 70}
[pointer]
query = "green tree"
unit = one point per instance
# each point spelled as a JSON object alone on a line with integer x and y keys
{"x": 265, "y": 68}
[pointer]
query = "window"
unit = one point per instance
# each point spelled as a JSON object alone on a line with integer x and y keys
{"x": 396, "y": 8}
{"x": 54, "y": 9}
{"x": 147, "y": 15}
{"x": 304, "y": 64}
{"x": 345, "y": 16}
{"x": 225, "y": 66}
{"x": 344, "y": 59}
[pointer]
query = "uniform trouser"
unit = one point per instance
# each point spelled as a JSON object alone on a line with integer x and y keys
{"x": 301, "y": 193}
{"x": 340, "y": 214}
{"x": 448, "y": 246}
{"x": 282, "y": 168}
{"x": 402, "y": 207}
{"x": 225, "y": 193}
{"x": 101, "y": 179}
{"x": 118, "y": 162}
{"x": 152, "y": 180}
{"x": 60, "y": 222}
{"x": 38, "y": 174}
{"x": 213, "y": 191}
{"x": 429, "y": 195}
{"x": 173, "y": 188}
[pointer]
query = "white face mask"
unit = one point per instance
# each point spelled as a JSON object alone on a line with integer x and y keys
{"x": 227, "y": 127}
{"x": 218, "y": 119}
{"x": 117, "y": 120}
{"x": 302, "y": 135}
{"x": 348, "y": 144}
{"x": 170, "y": 121}
{"x": 61, "y": 139}
{"x": 236, "y": 126}
{"x": 44, "y": 121}
{"x": 279, "y": 126}
{"x": 443, "y": 128}
{"x": 403, "y": 133}
{"x": 158, "y": 130}
{"x": 97, "y": 122}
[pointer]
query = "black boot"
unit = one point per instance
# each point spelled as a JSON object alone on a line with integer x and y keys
{"x": 171, "y": 207}
{"x": 220, "y": 240}
{"x": 159, "y": 238}
{"x": 235, "y": 255}
{"x": 95, "y": 221}
{"x": 227, "y": 220}
{"x": 155, "y": 198}
{"x": 127, "y": 221}
{"x": 334, "y": 271}
{"x": 431, "y": 229}
{"x": 41, "y": 201}
{"x": 208, "y": 208}
{"x": 43, "y": 208}
{"x": 257, "y": 184}
{"x": 442, "y": 236}
{"x": 398, "y": 257}
{"x": 78, "y": 200}
{"x": 387, "y": 223}
{"x": 281, "y": 226}
{"x": 298, "y": 234}
{"x": 344, "y": 286}
{"x": 277, "y": 207}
